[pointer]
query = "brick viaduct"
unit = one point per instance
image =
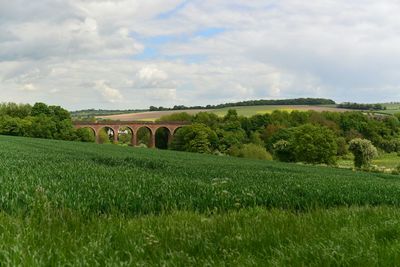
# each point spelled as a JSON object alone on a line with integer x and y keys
{"x": 115, "y": 126}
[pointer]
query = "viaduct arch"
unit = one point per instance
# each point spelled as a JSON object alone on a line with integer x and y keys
{"x": 115, "y": 126}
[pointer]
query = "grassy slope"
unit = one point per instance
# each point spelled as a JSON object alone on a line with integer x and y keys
{"x": 244, "y": 111}
{"x": 65, "y": 202}
{"x": 391, "y": 109}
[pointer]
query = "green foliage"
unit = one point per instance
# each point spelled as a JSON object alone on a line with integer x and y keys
{"x": 251, "y": 151}
{"x": 103, "y": 137}
{"x": 85, "y": 135}
{"x": 15, "y": 110}
{"x": 314, "y": 144}
{"x": 176, "y": 117}
{"x": 143, "y": 136}
{"x": 364, "y": 151}
{"x": 283, "y": 151}
{"x": 209, "y": 119}
{"x": 342, "y": 147}
{"x": 42, "y": 121}
{"x": 194, "y": 138}
{"x": 125, "y": 136}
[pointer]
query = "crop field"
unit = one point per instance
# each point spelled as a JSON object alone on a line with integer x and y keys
{"x": 244, "y": 111}
{"x": 66, "y": 203}
{"x": 391, "y": 109}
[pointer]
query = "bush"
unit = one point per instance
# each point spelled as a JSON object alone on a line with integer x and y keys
{"x": 364, "y": 152}
{"x": 251, "y": 151}
{"x": 103, "y": 137}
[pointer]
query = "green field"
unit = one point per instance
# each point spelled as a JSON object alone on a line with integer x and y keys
{"x": 386, "y": 160}
{"x": 391, "y": 109}
{"x": 246, "y": 111}
{"x": 66, "y": 203}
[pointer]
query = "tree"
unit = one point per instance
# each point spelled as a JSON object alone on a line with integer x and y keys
{"x": 40, "y": 109}
{"x": 195, "y": 138}
{"x": 103, "y": 137}
{"x": 364, "y": 152}
{"x": 85, "y": 135}
{"x": 314, "y": 144}
{"x": 182, "y": 116}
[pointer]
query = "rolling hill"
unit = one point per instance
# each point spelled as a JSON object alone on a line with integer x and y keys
{"x": 244, "y": 111}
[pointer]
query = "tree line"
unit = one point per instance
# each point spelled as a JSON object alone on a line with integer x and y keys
{"x": 357, "y": 106}
{"x": 261, "y": 102}
{"x": 40, "y": 121}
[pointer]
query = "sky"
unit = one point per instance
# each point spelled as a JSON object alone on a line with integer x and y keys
{"x": 130, "y": 54}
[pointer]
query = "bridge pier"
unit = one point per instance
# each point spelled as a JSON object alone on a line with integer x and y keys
{"x": 116, "y": 133}
{"x": 134, "y": 139}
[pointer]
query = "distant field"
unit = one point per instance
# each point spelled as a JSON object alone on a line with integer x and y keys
{"x": 391, "y": 109}
{"x": 81, "y": 204}
{"x": 244, "y": 111}
{"x": 389, "y": 161}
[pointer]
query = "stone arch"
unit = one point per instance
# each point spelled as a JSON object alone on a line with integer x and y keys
{"x": 145, "y": 135}
{"x": 126, "y": 135}
{"x": 107, "y": 134}
{"x": 163, "y": 137}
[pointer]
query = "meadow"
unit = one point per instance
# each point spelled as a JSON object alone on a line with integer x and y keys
{"x": 67, "y": 203}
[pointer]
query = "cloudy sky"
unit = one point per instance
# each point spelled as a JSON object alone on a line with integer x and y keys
{"x": 135, "y": 53}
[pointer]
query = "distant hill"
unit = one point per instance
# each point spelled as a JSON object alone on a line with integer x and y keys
{"x": 87, "y": 113}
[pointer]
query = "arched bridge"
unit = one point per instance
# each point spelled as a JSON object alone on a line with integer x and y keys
{"x": 134, "y": 127}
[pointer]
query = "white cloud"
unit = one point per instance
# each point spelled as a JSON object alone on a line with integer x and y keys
{"x": 109, "y": 94}
{"x": 29, "y": 88}
{"x": 346, "y": 50}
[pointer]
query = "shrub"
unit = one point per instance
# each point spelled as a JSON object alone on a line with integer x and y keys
{"x": 251, "y": 151}
{"x": 103, "y": 137}
{"x": 364, "y": 152}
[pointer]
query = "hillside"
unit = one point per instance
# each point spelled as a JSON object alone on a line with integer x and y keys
{"x": 246, "y": 111}
{"x": 81, "y": 203}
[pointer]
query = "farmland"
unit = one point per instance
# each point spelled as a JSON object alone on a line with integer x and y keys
{"x": 86, "y": 204}
{"x": 390, "y": 109}
{"x": 246, "y": 111}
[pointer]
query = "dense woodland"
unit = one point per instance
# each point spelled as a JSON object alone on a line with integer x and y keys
{"x": 309, "y": 137}
{"x": 297, "y": 136}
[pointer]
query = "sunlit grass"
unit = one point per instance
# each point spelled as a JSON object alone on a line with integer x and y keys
{"x": 66, "y": 203}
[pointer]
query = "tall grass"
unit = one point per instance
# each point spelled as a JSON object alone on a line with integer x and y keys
{"x": 65, "y": 203}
